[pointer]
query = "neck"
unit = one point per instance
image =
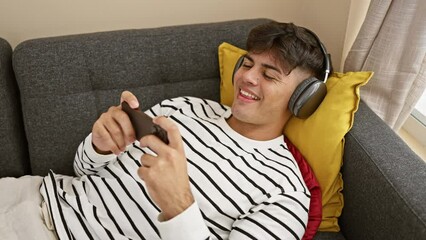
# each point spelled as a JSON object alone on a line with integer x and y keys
{"x": 256, "y": 131}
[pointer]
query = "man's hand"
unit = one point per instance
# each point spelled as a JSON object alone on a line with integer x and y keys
{"x": 166, "y": 175}
{"x": 113, "y": 131}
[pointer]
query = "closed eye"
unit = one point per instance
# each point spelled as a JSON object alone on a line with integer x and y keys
{"x": 268, "y": 77}
{"x": 247, "y": 65}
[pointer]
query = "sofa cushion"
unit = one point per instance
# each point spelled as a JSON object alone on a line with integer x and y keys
{"x": 320, "y": 138}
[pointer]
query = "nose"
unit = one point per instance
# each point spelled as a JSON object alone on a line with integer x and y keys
{"x": 250, "y": 76}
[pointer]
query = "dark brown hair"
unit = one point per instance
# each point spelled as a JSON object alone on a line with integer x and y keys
{"x": 293, "y": 46}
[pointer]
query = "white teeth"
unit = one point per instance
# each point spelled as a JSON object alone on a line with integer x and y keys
{"x": 246, "y": 94}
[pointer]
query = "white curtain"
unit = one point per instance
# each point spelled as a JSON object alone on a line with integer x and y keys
{"x": 392, "y": 43}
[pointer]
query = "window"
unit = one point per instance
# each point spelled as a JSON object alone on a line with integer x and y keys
{"x": 420, "y": 110}
{"x": 416, "y": 123}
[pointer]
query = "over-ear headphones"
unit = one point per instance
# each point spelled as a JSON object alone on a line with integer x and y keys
{"x": 310, "y": 92}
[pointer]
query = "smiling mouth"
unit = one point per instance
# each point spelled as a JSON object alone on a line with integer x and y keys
{"x": 248, "y": 95}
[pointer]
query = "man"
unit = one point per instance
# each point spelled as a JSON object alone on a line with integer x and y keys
{"x": 226, "y": 172}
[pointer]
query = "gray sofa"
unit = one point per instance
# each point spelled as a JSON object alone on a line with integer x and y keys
{"x": 53, "y": 89}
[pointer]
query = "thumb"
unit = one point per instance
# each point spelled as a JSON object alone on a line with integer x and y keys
{"x": 130, "y": 98}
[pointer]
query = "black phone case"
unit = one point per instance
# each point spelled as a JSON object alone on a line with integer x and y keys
{"x": 143, "y": 125}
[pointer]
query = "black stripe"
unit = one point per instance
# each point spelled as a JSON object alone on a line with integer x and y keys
{"x": 77, "y": 171}
{"x": 52, "y": 179}
{"x": 244, "y": 232}
{"x": 212, "y": 181}
{"x": 78, "y": 160}
{"x": 137, "y": 162}
{"x": 209, "y": 103}
{"x": 79, "y": 164}
{"x": 282, "y": 165}
{"x": 280, "y": 155}
{"x": 257, "y": 171}
{"x": 224, "y": 133}
{"x": 77, "y": 198}
{"x": 296, "y": 200}
{"x": 214, "y": 233}
{"x": 79, "y": 218}
{"x": 50, "y": 208}
{"x": 221, "y": 171}
{"x": 123, "y": 210}
{"x": 264, "y": 228}
{"x": 280, "y": 223}
{"x": 90, "y": 160}
{"x": 141, "y": 187}
{"x": 217, "y": 225}
{"x": 95, "y": 214}
{"x": 133, "y": 200}
{"x": 215, "y": 164}
{"x": 232, "y": 164}
{"x": 205, "y": 110}
{"x": 276, "y": 170}
{"x": 169, "y": 106}
{"x": 152, "y": 112}
{"x": 209, "y": 199}
{"x": 82, "y": 157}
{"x": 105, "y": 206}
{"x": 291, "y": 213}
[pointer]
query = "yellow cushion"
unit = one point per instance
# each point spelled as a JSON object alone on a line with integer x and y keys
{"x": 228, "y": 57}
{"x": 320, "y": 138}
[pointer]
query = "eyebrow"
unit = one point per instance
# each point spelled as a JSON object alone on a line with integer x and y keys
{"x": 263, "y": 64}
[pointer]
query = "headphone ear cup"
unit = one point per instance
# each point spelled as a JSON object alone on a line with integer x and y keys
{"x": 238, "y": 64}
{"x": 307, "y": 97}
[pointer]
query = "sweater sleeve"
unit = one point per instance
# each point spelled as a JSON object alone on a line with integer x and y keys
{"x": 282, "y": 217}
{"x": 188, "y": 225}
{"x": 87, "y": 161}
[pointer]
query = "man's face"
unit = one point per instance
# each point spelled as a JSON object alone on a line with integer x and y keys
{"x": 262, "y": 91}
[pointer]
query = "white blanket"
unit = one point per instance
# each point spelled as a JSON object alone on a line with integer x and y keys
{"x": 23, "y": 214}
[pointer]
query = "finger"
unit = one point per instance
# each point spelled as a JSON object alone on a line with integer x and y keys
{"x": 102, "y": 140}
{"x": 123, "y": 121}
{"x": 173, "y": 133}
{"x": 114, "y": 127}
{"x": 147, "y": 160}
{"x": 154, "y": 143}
{"x": 143, "y": 172}
{"x": 119, "y": 127}
{"x": 130, "y": 98}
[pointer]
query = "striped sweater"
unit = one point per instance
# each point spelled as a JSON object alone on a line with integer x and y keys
{"x": 243, "y": 189}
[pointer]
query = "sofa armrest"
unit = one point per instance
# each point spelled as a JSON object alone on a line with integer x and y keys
{"x": 13, "y": 145}
{"x": 384, "y": 183}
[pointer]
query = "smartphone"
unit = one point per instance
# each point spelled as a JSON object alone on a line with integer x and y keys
{"x": 143, "y": 125}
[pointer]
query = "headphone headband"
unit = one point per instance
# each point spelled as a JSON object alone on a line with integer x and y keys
{"x": 327, "y": 61}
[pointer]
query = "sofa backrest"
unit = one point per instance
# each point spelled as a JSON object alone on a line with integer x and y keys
{"x": 13, "y": 147}
{"x": 67, "y": 82}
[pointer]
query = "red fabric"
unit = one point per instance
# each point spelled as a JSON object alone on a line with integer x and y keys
{"x": 315, "y": 209}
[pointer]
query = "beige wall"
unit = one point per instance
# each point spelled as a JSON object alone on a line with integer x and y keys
{"x": 23, "y": 19}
